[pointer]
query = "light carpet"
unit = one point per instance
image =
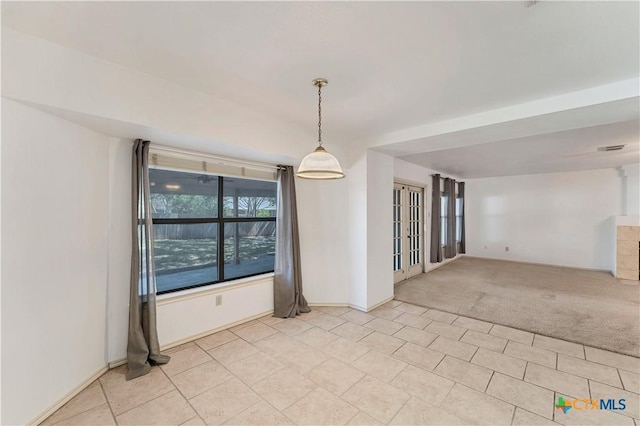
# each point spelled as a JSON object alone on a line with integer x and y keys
{"x": 588, "y": 307}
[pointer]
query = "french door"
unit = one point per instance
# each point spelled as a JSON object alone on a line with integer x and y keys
{"x": 408, "y": 229}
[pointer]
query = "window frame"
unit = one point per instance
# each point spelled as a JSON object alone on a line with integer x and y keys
{"x": 221, "y": 221}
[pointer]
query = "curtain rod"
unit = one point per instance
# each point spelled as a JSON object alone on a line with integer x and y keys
{"x": 438, "y": 174}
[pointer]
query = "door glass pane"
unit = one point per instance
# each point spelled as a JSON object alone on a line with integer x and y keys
{"x": 415, "y": 206}
{"x": 397, "y": 229}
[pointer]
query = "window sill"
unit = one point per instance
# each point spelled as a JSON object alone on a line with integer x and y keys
{"x": 178, "y": 296}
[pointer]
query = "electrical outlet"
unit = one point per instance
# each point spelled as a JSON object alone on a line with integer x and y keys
{"x": 506, "y": 248}
{"x": 219, "y": 300}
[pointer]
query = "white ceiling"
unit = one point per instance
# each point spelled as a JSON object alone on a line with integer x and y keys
{"x": 567, "y": 150}
{"x": 391, "y": 65}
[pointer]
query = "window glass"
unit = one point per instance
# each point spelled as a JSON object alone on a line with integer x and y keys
{"x": 249, "y": 198}
{"x": 459, "y": 202}
{"x": 185, "y": 255}
{"x": 183, "y": 195}
{"x": 249, "y": 248}
{"x": 193, "y": 246}
{"x": 443, "y": 222}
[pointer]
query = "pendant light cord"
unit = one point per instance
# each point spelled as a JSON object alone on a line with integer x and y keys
{"x": 320, "y": 114}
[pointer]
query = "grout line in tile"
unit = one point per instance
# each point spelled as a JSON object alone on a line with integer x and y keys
{"x": 198, "y": 394}
{"x": 153, "y": 399}
{"x": 195, "y": 366}
{"x": 268, "y": 403}
{"x": 192, "y": 418}
{"x": 526, "y": 367}
{"x": 463, "y": 334}
{"x": 474, "y": 353}
{"x": 513, "y": 415}
{"x": 349, "y": 388}
{"x": 619, "y": 377}
{"x": 505, "y": 401}
{"x": 609, "y": 365}
{"x": 399, "y": 347}
{"x": 535, "y": 414}
{"x": 594, "y": 380}
{"x": 401, "y": 407}
{"x": 403, "y": 327}
{"x": 446, "y": 397}
{"x": 399, "y": 372}
{"x": 106, "y": 399}
{"x": 489, "y": 381}
{"x": 550, "y": 389}
{"x": 356, "y": 360}
{"x": 493, "y": 374}
{"x": 84, "y": 410}
{"x": 352, "y": 417}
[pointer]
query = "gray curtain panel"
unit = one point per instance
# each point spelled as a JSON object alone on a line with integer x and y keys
{"x": 143, "y": 348}
{"x": 450, "y": 191}
{"x": 288, "y": 300}
{"x": 436, "y": 198}
{"x": 463, "y": 248}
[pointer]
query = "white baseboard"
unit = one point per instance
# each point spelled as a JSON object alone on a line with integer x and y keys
{"x": 377, "y": 305}
{"x": 370, "y": 308}
{"x": 339, "y": 305}
{"x": 542, "y": 264}
{"x": 66, "y": 398}
{"x": 116, "y": 363}
{"x": 444, "y": 262}
{"x": 213, "y": 330}
{"x": 122, "y": 361}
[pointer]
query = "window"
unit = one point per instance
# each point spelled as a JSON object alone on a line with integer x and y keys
{"x": 444, "y": 215}
{"x": 209, "y": 229}
{"x": 459, "y": 204}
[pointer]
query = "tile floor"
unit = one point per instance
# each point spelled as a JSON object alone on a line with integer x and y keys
{"x": 399, "y": 364}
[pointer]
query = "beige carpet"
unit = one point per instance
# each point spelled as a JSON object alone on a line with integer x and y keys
{"x": 587, "y": 307}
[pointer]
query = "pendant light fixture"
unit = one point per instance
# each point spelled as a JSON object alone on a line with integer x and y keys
{"x": 320, "y": 164}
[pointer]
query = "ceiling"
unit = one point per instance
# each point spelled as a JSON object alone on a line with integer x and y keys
{"x": 391, "y": 65}
{"x": 575, "y": 149}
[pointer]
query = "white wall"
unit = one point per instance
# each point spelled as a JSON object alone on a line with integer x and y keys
{"x": 39, "y": 71}
{"x": 357, "y": 219}
{"x": 559, "y": 218}
{"x": 324, "y": 234}
{"x": 119, "y": 256}
{"x": 180, "y": 318}
{"x": 379, "y": 228}
{"x": 54, "y": 247}
{"x": 631, "y": 189}
{"x": 94, "y": 92}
